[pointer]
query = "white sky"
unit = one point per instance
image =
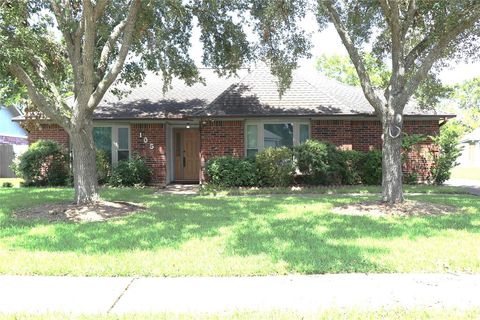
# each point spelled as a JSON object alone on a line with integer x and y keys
{"x": 328, "y": 42}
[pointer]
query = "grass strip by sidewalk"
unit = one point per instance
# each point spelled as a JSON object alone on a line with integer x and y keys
{"x": 330, "y": 314}
{"x": 424, "y": 189}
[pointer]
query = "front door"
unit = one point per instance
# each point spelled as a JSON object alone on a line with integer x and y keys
{"x": 187, "y": 154}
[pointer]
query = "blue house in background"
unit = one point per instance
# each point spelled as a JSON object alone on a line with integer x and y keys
{"x": 13, "y": 140}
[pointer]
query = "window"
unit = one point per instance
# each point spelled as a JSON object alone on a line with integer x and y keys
{"x": 265, "y": 134}
{"x": 252, "y": 140}
{"x": 114, "y": 140}
{"x": 277, "y": 135}
{"x": 123, "y": 145}
{"x": 102, "y": 136}
{"x": 304, "y": 133}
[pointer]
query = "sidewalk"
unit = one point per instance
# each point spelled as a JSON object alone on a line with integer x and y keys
{"x": 473, "y": 186}
{"x": 212, "y": 294}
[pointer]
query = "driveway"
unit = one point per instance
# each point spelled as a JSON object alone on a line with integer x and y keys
{"x": 472, "y": 185}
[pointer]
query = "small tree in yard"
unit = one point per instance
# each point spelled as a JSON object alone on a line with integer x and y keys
{"x": 53, "y": 48}
{"x": 414, "y": 36}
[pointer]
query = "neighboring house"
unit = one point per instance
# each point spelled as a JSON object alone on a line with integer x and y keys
{"x": 13, "y": 140}
{"x": 471, "y": 150}
{"x": 177, "y": 132}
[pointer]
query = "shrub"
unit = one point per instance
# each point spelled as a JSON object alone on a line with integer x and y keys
{"x": 130, "y": 173}
{"x": 445, "y": 160}
{"x": 7, "y": 185}
{"x": 231, "y": 171}
{"x": 320, "y": 162}
{"x": 371, "y": 168}
{"x": 45, "y": 163}
{"x": 275, "y": 166}
{"x": 104, "y": 169}
{"x": 351, "y": 162}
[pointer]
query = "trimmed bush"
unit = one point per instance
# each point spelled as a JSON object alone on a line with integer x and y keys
{"x": 351, "y": 163}
{"x": 45, "y": 163}
{"x": 231, "y": 171}
{"x": 320, "y": 162}
{"x": 104, "y": 169}
{"x": 130, "y": 173}
{"x": 450, "y": 149}
{"x": 275, "y": 167}
{"x": 7, "y": 185}
{"x": 371, "y": 168}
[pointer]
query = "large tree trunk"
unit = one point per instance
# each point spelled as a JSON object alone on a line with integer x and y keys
{"x": 84, "y": 165}
{"x": 392, "y": 188}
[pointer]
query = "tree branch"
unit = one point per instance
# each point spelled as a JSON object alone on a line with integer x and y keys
{"x": 39, "y": 100}
{"x": 88, "y": 50}
{"x": 108, "y": 47}
{"x": 357, "y": 60}
{"x": 436, "y": 53}
{"x": 110, "y": 77}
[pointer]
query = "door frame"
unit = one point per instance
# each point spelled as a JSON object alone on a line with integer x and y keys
{"x": 174, "y": 130}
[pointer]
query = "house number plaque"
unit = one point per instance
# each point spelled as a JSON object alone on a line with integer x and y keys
{"x": 145, "y": 141}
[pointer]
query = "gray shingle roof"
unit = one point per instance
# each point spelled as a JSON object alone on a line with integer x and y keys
{"x": 252, "y": 93}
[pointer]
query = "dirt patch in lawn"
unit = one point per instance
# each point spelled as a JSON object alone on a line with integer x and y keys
{"x": 407, "y": 208}
{"x": 99, "y": 211}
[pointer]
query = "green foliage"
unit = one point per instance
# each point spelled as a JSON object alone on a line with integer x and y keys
{"x": 341, "y": 68}
{"x": 103, "y": 165}
{"x": 352, "y": 162}
{"x": 104, "y": 169}
{"x": 231, "y": 171}
{"x": 371, "y": 168}
{"x": 45, "y": 163}
{"x": 320, "y": 162}
{"x": 130, "y": 173}
{"x": 275, "y": 166}
{"x": 465, "y": 103}
{"x": 7, "y": 185}
{"x": 445, "y": 160}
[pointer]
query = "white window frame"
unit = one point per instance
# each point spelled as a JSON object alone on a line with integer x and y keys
{"x": 261, "y": 135}
{"x": 115, "y": 147}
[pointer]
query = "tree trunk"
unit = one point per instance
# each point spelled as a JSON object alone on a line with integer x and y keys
{"x": 392, "y": 188}
{"x": 84, "y": 165}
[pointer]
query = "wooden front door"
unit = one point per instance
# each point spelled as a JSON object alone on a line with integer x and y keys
{"x": 187, "y": 154}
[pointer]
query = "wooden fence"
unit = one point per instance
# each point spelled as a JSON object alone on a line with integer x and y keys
{"x": 7, "y": 155}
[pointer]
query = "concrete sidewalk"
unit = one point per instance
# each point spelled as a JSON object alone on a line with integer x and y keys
{"x": 211, "y": 294}
{"x": 473, "y": 186}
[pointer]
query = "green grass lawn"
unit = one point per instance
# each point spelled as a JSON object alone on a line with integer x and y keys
{"x": 14, "y": 181}
{"x": 206, "y": 235}
{"x": 330, "y": 314}
{"x": 466, "y": 173}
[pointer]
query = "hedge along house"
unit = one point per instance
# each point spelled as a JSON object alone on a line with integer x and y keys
{"x": 177, "y": 132}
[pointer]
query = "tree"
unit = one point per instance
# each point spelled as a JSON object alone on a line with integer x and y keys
{"x": 416, "y": 37}
{"x": 51, "y": 48}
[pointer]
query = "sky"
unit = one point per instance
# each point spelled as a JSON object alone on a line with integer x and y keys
{"x": 328, "y": 42}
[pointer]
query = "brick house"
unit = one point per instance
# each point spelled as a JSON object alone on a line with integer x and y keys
{"x": 177, "y": 132}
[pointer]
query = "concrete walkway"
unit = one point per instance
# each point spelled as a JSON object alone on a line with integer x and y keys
{"x": 473, "y": 186}
{"x": 211, "y": 294}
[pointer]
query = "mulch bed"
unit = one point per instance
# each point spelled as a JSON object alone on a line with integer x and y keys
{"x": 71, "y": 212}
{"x": 407, "y": 208}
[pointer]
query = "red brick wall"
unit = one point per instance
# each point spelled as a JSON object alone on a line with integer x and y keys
{"x": 367, "y": 135}
{"x": 49, "y": 132}
{"x": 156, "y": 157}
{"x": 338, "y": 132}
{"x": 221, "y": 138}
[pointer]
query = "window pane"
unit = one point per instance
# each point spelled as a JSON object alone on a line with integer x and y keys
{"x": 123, "y": 155}
{"x": 251, "y": 153}
{"x": 304, "y": 133}
{"x": 252, "y": 134}
{"x": 278, "y": 135}
{"x": 123, "y": 138}
{"x": 102, "y": 137}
